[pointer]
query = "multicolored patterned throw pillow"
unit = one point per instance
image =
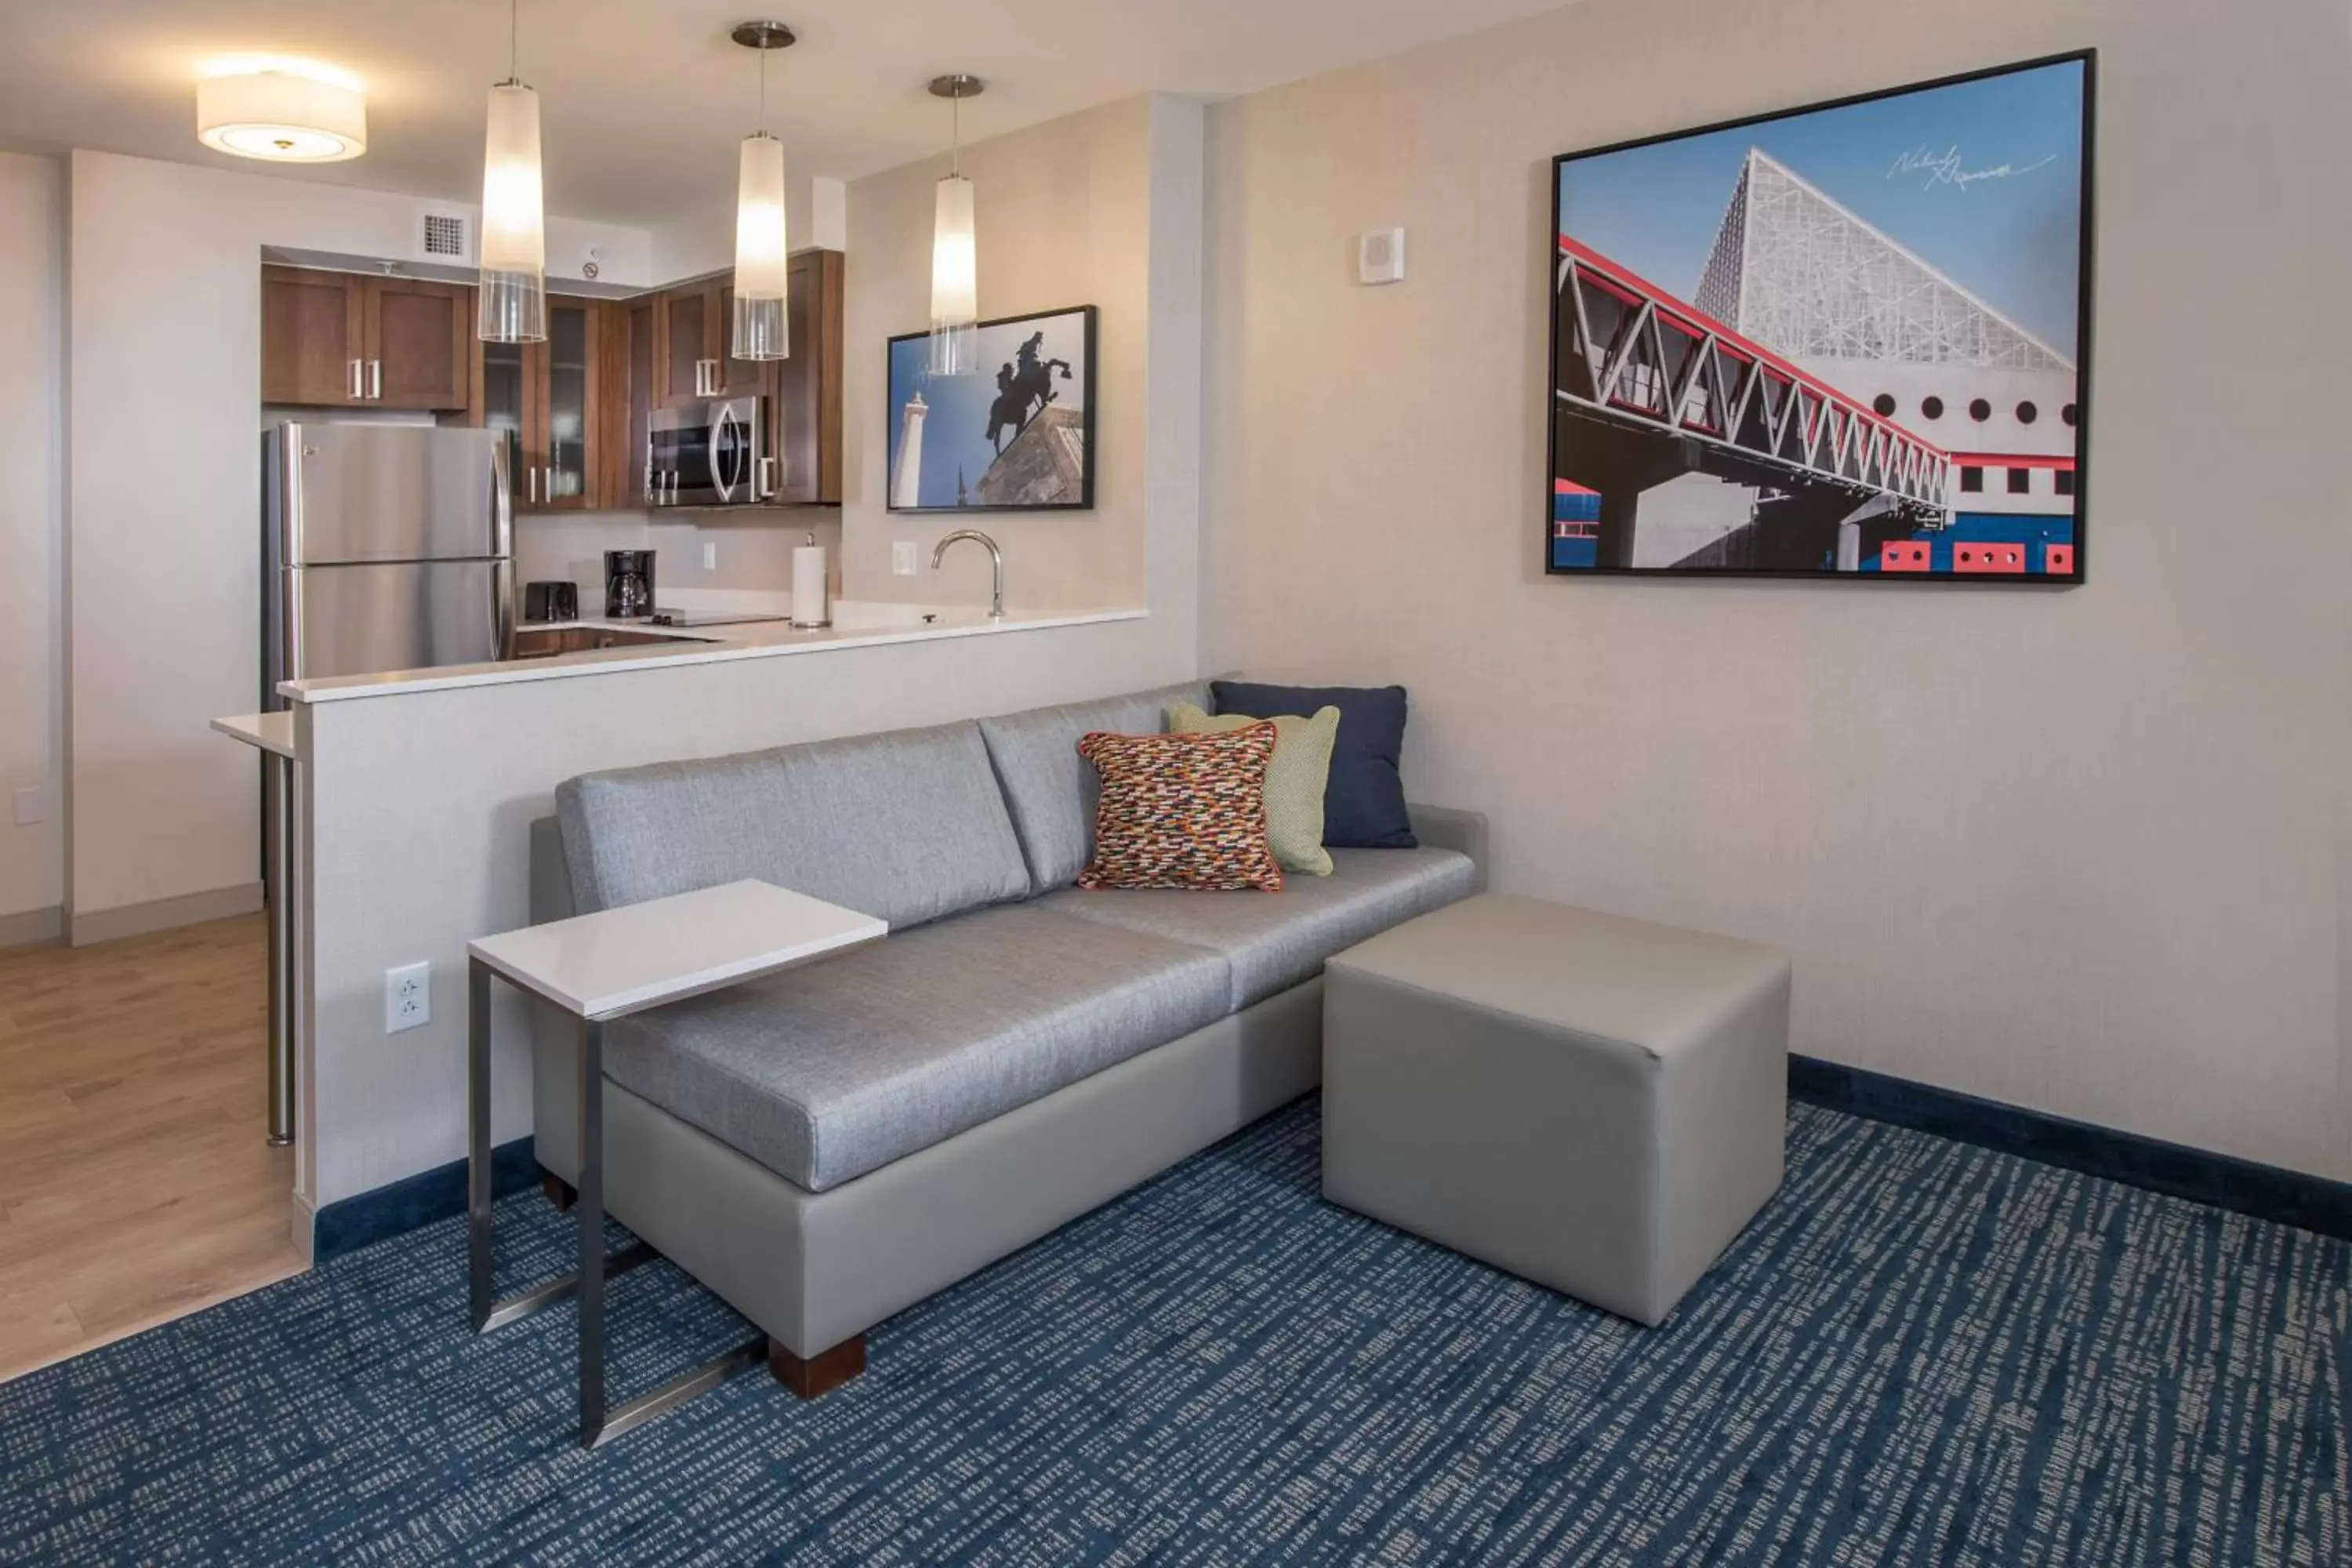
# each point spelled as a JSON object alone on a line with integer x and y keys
{"x": 1182, "y": 811}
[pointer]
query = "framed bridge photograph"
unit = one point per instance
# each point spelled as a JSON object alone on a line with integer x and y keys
{"x": 1844, "y": 342}
{"x": 1017, "y": 437}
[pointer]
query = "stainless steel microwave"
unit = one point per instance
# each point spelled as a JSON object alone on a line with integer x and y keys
{"x": 709, "y": 454}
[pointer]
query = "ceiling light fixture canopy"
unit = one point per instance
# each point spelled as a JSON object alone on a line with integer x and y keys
{"x": 512, "y": 299}
{"x": 955, "y": 247}
{"x": 287, "y": 111}
{"x": 762, "y": 264}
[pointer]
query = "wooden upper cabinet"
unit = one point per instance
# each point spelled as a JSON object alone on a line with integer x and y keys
{"x": 419, "y": 339}
{"x": 566, "y": 433}
{"x": 311, "y": 337}
{"x": 682, "y": 344}
{"x": 561, "y": 404}
{"x": 340, "y": 340}
{"x": 805, "y": 428}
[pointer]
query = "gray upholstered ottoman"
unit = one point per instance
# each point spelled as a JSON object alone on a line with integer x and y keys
{"x": 1596, "y": 1104}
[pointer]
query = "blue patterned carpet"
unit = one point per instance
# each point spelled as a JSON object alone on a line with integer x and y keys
{"x": 1922, "y": 1352}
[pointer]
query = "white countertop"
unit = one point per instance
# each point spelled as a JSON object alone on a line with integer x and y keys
{"x": 866, "y": 626}
{"x": 270, "y": 731}
{"x": 623, "y": 961}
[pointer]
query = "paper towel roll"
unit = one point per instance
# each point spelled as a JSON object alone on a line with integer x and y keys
{"x": 808, "y": 586}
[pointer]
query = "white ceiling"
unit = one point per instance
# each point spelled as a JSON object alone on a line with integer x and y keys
{"x": 643, "y": 100}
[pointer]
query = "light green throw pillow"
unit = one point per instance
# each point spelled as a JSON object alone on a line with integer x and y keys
{"x": 1294, "y": 779}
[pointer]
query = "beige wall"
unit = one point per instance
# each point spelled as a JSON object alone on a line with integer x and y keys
{"x": 32, "y": 538}
{"x": 164, "y": 344}
{"x": 1066, "y": 216}
{"x": 2085, "y": 851}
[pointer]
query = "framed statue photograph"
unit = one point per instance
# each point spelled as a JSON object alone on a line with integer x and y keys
{"x": 1017, "y": 437}
{"x": 1849, "y": 342}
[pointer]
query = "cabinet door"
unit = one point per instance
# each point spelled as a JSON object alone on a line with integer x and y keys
{"x": 566, "y": 407}
{"x": 419, "y": 337}
{"x": 505, "y": 401}
{"x": 636, "y": 460}
{"x": 682, "y": 337}
{"x": 311, "y": 350}
{"x": 807, "y": 415}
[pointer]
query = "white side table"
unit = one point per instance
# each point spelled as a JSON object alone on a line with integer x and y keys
{"x": 597, "y": 968}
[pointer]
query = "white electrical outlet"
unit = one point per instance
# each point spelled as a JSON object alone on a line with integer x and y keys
{"x": 710, "y": 555}
{"x": 407, "y": 997}
{"x": 30, "y": 804}
{"x": 902, "y": 558}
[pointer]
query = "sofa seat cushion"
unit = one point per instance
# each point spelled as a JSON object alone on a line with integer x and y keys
{"x": 906, "y": 826}
{"x": 826, "y": 1072}
{"x": 1274, "y": 940}
{"x": 1050, "y": 790}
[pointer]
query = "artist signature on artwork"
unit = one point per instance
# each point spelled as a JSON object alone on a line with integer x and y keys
{"x": 1949, "y": 168}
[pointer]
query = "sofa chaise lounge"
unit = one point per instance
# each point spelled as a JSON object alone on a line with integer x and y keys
{"x": 826, "y": 1147}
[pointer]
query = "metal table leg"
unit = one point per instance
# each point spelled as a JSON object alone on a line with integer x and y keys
{"x": 482, "y": 1312}
{"x": 598, "y": 1424}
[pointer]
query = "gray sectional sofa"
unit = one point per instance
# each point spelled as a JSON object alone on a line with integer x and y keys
{"x": 828, "y": 1146}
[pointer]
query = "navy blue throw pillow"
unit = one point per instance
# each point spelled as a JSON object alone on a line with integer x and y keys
{"x": 1363, "y": 806}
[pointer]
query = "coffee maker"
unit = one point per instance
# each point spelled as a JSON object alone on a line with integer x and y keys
{"x": 628, "y": 584}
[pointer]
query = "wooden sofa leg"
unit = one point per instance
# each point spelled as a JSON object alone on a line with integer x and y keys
{"x": 559, "y": 1193}
{"x": 821, "y": 1373}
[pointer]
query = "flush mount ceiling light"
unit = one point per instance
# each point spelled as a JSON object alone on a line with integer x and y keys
{"x": 512, "y": 298}
{"x": 290, "y": 112}
{"x": 955, "y": 247}
{"x": 762, "y": 266}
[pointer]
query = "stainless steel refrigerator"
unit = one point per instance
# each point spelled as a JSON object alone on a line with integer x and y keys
{"x": 384, "y": 547}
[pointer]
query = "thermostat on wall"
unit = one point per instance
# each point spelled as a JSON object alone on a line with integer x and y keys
{"x": 1379, "y": 256}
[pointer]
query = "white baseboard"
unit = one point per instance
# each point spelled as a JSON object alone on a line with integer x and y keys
{"x": 305, "y": 1221}
{"x": 30, "y": 927}
{"x": 186, "y": 910}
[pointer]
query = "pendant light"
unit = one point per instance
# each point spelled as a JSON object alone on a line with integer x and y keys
{"x": 512, "y": 299}
{"x": 955, "y": 251}
{"x": 760, "y": 330}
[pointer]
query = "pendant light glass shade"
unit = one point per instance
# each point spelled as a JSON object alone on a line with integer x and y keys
{"x": 513, "y": 292}
{"x": 762, "y": 264}
{"x": 955, "y": 281}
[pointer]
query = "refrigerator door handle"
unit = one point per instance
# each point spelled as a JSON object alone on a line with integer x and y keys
{"x": 502, "y": 611}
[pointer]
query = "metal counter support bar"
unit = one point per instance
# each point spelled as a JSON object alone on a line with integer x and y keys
{"x": 278, "y": 844}
{"x": 598, "y": 1424}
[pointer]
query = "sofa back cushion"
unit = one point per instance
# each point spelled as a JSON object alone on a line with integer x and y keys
{"x": 906, "y": 826}
{"x": 1050, "y": 789}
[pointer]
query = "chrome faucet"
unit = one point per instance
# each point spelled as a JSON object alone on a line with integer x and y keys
{"x": 996, "y": 556}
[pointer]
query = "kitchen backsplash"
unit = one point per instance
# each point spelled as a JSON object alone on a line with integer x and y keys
{"x": 752, "y": 547}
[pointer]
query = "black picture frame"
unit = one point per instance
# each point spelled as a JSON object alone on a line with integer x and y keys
{"x": 1553, "y": 269}
{"x": 993, "y": 333}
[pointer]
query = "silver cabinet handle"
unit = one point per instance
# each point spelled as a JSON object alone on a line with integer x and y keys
{"x": 766, "y": 485}
{"x": 359, "y": 387}
{"x": 375, "y": 379}
{"x": 534, "y": 486}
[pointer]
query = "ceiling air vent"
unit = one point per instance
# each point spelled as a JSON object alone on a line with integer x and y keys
{"x": 445, "y": 236}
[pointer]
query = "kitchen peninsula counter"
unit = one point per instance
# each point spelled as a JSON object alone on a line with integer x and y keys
{"x": 855, "y": 627}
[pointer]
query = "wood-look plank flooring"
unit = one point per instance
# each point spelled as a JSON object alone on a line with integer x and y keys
{"x": 135, "y": 1183}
